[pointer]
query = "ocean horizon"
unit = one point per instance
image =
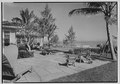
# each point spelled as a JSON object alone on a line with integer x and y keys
{"x": 90, "y": 43}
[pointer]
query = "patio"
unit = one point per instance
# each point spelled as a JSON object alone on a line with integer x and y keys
{"x": 47, "y": 67}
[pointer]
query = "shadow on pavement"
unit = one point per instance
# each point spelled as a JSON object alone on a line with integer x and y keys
{"x": 62, "y": 64}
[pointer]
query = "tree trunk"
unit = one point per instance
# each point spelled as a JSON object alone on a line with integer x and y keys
{"x": 110, "y": 43}
{"x": 42, "y": 41}
{"x": 103, "y": 47}
{"x": 29, "y": 46}
{"x": 28, "y": 43}
{"x": 49, "y": 42}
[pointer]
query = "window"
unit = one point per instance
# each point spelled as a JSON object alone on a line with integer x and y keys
{"x": 6, "y": 38}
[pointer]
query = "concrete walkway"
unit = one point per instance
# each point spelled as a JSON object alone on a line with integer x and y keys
{"x": 46, "y": 68}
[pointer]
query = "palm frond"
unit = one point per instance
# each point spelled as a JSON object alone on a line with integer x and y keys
{"x": 22, "y": 14}
{"x": 26, "y": 15}
{"x": 85, "y": 11}
{"x": 95, "y": 4}
{"x": 32, "y": 14}
{"x": 16, "y": 19}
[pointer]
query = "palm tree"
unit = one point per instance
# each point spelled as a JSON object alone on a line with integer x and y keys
{"x": 108, "y": 9}
{"x": 26, "y": 17}
{"x": 26, "y": 23}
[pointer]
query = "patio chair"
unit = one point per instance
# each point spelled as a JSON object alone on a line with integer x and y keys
{"x": 78, "y": 58}
{"x": 11, "y": 53}
{"x": 87, "y": 57}
{"x": 7, "y": 71}
{"x": 71, "y": 59}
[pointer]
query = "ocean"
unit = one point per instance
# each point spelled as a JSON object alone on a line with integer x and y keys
{"x": 90, "y": 43}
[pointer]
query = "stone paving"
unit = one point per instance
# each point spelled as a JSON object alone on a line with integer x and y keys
{"x": 46, "y": 68}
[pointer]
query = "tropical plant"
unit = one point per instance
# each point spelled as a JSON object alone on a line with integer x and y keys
{"x": 16, "y": 20}
{"x": 108, "y": 9}
{"x": 26, "y": 22}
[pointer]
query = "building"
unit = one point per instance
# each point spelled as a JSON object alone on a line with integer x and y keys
{"x": 10, "y": 34}
{"x": 9, "y": 30}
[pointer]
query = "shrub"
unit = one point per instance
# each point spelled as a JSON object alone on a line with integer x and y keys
{"x": 85, "y": 50}
{"x": 23, "y": 52}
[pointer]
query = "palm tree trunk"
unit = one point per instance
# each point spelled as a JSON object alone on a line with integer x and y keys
{"x": 110, "y": 43}
{"x": 103, "y": 48}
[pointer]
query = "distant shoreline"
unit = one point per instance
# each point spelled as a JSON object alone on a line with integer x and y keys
{"x": 90, "y": 43}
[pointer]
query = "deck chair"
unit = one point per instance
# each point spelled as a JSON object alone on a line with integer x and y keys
{"x": 78, "y": 58}
{"x": 7, "y": 71}
{"x": 11, "y": 53}
{"x": 71, "y": 59}
{"x": 87, "y": 57}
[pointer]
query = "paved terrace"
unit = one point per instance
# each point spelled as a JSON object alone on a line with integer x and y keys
{"x": 46, "y": 68}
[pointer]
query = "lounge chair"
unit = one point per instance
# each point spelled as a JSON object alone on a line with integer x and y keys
{"x": 78, "y": 58}
{"x": 71, "y": 59}
{"x": 7, "y": 71}
{"x": 87, "y": 57}
{"x": 11, "y": 53}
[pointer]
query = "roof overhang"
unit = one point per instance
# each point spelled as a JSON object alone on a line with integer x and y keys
{"x": 5, "y": 27}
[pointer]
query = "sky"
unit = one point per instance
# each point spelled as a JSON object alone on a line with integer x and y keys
{"x": 86, "y": 28}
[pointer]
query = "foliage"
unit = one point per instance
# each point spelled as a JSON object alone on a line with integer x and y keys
{"x": 33, "y": 26}
{"x": 26, "y": 21}
{"x": 109, "y": 9}
{"x": 50, "y": 31}
{"x": 23, "y": 52}
{"x": 70, "y": 38}
{"x": 48, "y": 21}
{"x": 41, "y": 30}
{"x": 7, "y": 23}
{"x": 46, "y": 25}
{"x": 26, "y": 17}
{"x": 54, "y": 39}
{"x": 65, "y": 42}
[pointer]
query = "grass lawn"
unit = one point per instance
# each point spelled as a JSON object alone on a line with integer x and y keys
{"x": 104, "y": 73}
